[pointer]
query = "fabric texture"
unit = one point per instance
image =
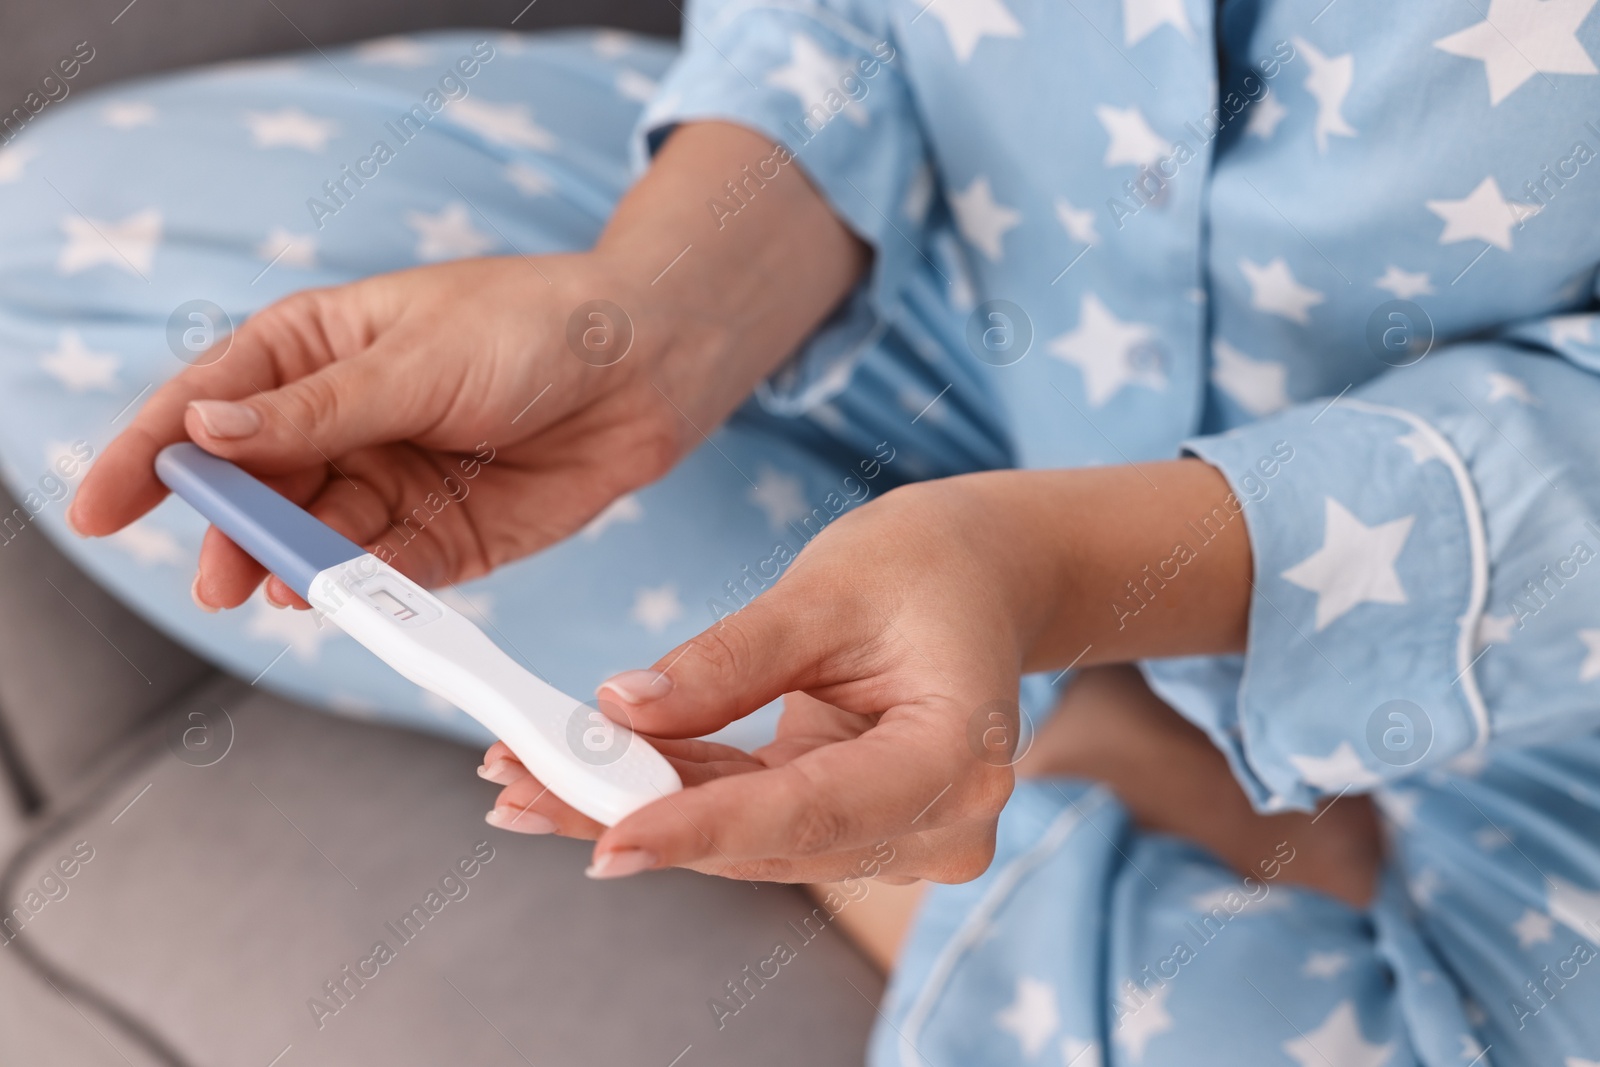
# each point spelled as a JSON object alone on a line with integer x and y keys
{"x": 1053, "y": 285}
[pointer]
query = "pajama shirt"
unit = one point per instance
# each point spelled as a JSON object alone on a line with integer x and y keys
{"x": 1343, "y": 252}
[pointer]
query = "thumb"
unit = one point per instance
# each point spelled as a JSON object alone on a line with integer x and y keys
{"x": 345, "y": 405}
{"x": 741, "y": 663}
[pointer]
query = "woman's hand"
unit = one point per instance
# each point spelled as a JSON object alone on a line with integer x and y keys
{"x": 888, "y": 632}
{"x": 900, "y": 634}
{"x": 499, "y": 404}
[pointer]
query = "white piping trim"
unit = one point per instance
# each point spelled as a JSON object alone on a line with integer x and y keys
{"x": 1477, "y": 541}
{"x": 974, "y": 926}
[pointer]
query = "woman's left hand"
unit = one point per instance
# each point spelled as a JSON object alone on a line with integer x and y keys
{"x": 899, "y": 635}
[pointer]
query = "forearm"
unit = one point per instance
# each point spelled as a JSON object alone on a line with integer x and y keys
{"x": 734, "y": 294}
{"x": 1124, "y": 562}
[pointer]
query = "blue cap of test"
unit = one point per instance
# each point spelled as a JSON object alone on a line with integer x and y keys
{"x": 279, "y": 534}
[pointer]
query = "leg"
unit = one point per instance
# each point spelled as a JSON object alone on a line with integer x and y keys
{"x": 242, "y": 183}
{"x": 1111, "y": 728}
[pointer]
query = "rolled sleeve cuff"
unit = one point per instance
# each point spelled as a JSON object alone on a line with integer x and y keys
{"x": 829, "y": 93}
{"x": 1370, "y": 573}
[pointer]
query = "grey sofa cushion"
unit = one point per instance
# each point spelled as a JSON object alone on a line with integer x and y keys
{"x": 152, "y": 35}
{"x": 77, "y": 668}
{"x": 218, "y": 904}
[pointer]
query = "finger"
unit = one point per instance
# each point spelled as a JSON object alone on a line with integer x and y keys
{"x": 227, "y": 574}
{"x": 269, "y": 348}
{"x": 948, "y": 855}
{"x": 907, "y": 773}
{"x": 526, "y": 805}
{"x": 740, "y": 664}
{"x": 345, "y": 405}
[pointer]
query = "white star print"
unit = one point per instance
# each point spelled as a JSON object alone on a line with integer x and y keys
{"x": 1425, "y": 886}
{"x": 1133, "y": 142}
{"x": 129, "y": 245}
{"x": 148, "y": 544}
{"x": 128, "y": 114}
{"x": 1482, "y": 215}
{"x": 1338, "y": 1040}
{"x": 61, "y": 453}
{"x": 507, "y": 124}
{"x": 473, "y": 603}
{"x": 1265, "y": 116}
{"x": 1273, "y": 289}
{"x": 1566, "y": 329}
{"x": 1399, "y": 806}
{"x": 625, "y": 508}
{"x": 1574, "y": 907}
{"x": 612, "y": 43}
{"x": 1505, "y": 387}
{"x": 1342, "y": 767}
{"x": 656, "y": 609}
{"x": 447, "y": 235}
{"x": 1076, "y": 1053}
{"x": 919, "y": 194}
{"x": 1141, "y": 18}
{"x": 1032, "y": 1017}
{"x": 393, "y": 52}
{"x": 1521, "y": 38}
{"x": 631, "y": 85}
{"x": 966, "y": 22}
{"x": 1355, "y": 564}
{"x": 780, "y": 497}
{"x": 1325, "y": 965}
{"x": 1490, "y": 838}
{"x": 13, "y": 160}
{"x": 983, "y": 221}
{"x": 812, "y": 75}
{"x": 1257, "y": 385}
{"x": 529, "y": 180}
{"x": 1078, "y": 224}
{"x": 1421, "y": 445}
{"x": 1403, "y": 284}
{"x": 289, "y": 249}
{"x": 302, "y": 631}
{"x": 1590, "y": 669}
{"x": 290, "y": 128}
{"x": 1328, "y": 83}
{"x": 1107, "y": 350}
{"x": 1136, "y": 1028}
{"x": 1534, "y": 927}
{"x": 1495, "y": 629}
{"x": 76, "y": 367}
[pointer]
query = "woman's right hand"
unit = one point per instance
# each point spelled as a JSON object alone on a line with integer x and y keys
{"x": 497, "y": 404}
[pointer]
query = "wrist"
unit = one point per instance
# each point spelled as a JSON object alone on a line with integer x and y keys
{"x": 1113, "y": 564}
{"x": 726, "y": 300}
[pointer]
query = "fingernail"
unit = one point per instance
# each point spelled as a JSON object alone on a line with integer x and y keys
{"x": 194, "y": 594}
{"x": 225, "y": 419}
{"x": 502, "y": 772}
{"x": 621, "y": 863}
{"x": 518, "y": 821}
{"x": 72, "y": 518}
{"x": 638, "y": 687}
{"x": 266, "y": 594}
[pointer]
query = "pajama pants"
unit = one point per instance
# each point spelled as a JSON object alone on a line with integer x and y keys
{"x": 126, "y": 213}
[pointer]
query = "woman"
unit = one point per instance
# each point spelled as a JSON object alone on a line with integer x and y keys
{"x": 884, "y": 221}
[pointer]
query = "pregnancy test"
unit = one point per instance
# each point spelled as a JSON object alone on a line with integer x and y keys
{"x": 599, "y": 767}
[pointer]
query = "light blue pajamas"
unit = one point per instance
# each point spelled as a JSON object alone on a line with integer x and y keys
{"x": 1353, "y": 271}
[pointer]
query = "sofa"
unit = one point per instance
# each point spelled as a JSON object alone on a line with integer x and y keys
{"x": 194, "y": 871}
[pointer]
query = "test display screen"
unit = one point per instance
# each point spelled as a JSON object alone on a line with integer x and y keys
{"x": 387, "y": 601}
